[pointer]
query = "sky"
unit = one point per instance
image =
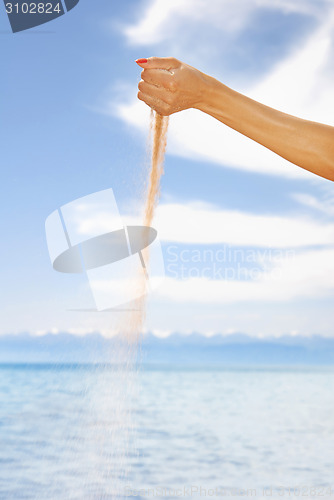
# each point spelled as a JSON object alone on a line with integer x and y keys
{"x": 247, "y": 237}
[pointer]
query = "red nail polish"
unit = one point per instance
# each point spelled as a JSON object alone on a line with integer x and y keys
{"x": 141, "y": 61}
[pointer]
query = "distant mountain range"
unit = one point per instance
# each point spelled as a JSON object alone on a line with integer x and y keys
{"x": 181, "y": 350}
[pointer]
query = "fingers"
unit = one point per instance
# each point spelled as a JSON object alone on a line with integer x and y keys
{"x": 155, "y": 91}
{"x": 159, "y": 78}
{"x": 159, "y": 106}
{"x": 167, "y": 63}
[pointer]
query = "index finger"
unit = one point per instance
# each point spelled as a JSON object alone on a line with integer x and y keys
{"x": 167, "y": 63}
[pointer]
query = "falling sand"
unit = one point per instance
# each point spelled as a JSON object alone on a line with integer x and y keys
{"x": 159, "y": 126}
{"x": 122, "y": 382}
{"x": 113, "y": 388}
{"x": 158, "y": 140}
{"x": 133, "y": 323}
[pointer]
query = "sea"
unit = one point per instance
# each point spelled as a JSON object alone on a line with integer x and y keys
{"x": 106, "y": 431}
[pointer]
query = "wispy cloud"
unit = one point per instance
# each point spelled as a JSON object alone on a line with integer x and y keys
{"x": 325, "y": 205}
{"x": 302, "y": 83}
{"x": 202, "y": 223}
{"x": 160, "y": 21}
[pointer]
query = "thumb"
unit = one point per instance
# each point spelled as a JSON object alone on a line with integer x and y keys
{"x": 167, "y": 63}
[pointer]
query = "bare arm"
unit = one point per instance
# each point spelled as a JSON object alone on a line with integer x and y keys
{"x": 169, "y": 85}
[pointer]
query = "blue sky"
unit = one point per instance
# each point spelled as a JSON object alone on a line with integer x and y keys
{"x": 71, "y": 125}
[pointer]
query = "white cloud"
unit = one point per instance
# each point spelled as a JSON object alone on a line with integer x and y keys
{"x": 195, "y": 223}
{"x": 300, "y": 85}
{"x": 162, "y": 334}
{"x": 201, "y": 223}
{"x": 325, "y": 206}
{"x": 161, "y": 20}
{"x": 154, "y": 26}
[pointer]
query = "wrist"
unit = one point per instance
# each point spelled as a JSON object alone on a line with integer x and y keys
{"x": 216, "y": 99}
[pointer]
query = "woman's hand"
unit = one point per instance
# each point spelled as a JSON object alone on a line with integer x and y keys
{"x": 168, "y": 85}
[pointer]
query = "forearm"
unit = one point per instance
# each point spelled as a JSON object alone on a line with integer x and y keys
{"x": 305, "y": 143}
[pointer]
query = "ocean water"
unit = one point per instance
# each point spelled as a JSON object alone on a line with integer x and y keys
{"x": 80, "y": 432}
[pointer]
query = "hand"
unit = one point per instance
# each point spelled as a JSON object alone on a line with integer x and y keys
{"x": 169, "y": 86}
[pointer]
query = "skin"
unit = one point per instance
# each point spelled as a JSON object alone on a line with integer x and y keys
{"x": 169, "y": 86}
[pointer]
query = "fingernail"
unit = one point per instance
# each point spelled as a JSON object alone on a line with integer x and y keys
{"x": 141, "y": 61}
